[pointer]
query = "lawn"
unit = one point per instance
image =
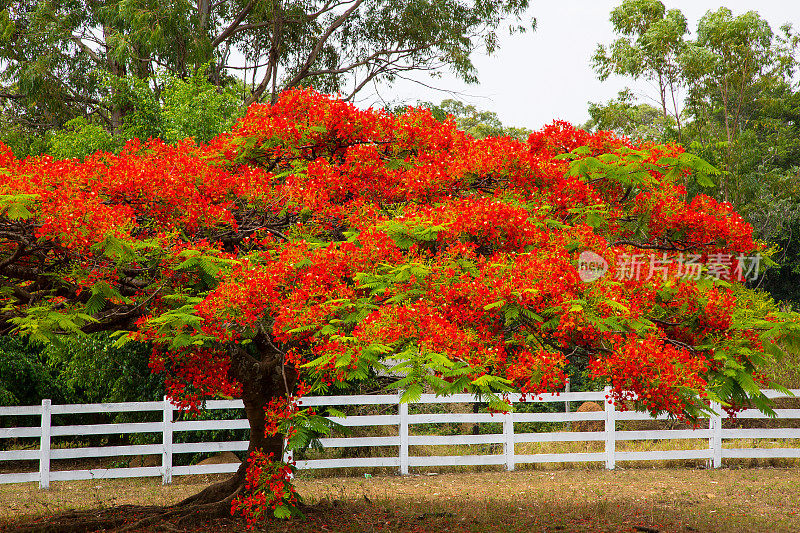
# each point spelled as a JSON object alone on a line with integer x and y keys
{"x": 574, "y": 500}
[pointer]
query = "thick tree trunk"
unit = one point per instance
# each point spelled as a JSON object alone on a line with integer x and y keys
{"x": 225, "y": 491}
{"x": 261, "y": 383}
{"x": 255, "y": 401}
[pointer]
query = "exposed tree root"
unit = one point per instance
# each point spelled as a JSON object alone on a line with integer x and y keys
{"x": 217, "y": 492}
{"x": 178, "y": 518}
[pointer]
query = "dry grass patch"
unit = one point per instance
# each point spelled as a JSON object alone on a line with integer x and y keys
{"x": 756, "y": 500}
{"x": 25, "y": 500}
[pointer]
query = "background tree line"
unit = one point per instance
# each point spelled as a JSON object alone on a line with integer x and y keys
{"x": 108, "y": 62}
{"x": 730, "y": 95}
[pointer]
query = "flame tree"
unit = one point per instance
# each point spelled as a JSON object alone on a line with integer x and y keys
{"x": 317, "y": 242}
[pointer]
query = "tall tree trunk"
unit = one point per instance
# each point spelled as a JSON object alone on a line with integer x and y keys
{"x": 672, "y": 91}
{"x": 116, "y": 69}
{"x": 204, "y": 12}
{"x": 662, "y": 91}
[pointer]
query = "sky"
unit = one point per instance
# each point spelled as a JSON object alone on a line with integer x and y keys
{"x": 546, "y": 74}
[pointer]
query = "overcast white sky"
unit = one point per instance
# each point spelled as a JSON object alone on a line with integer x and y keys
{"x": 543, "y": 75}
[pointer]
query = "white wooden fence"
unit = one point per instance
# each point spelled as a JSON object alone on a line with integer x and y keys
{"x": 509, "y": 438}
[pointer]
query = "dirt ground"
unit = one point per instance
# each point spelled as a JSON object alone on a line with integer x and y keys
{"x": 758, "y": 500}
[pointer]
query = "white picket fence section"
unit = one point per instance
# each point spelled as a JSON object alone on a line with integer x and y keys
{"x": 405, "y": 437}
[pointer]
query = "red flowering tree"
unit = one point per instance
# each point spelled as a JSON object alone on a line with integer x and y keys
{"x": 317, "y": 241}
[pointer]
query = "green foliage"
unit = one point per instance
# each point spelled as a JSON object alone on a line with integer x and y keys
{"x": 22, "y": 141}
{"x": 172, "y": 109}
{"x": 480, "y": 124}
{"x": 86, "y": 369}
{"x": 625, "y": 117}
{"x": 92, "y": 369}
{"x": 197, "y": 108}
{"x": 25, "y": 377}
{"x": 166, "y": 107}
{"x": 80, "y": 138}
{"x": 16, "y": 206}
{"x": 782, "y": 281}
{"x": 143, "y": 117}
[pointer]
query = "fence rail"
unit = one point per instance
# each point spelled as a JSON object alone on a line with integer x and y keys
{"x": 404, "y": 421}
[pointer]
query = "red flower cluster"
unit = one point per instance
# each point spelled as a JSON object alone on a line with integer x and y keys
{"x": 268, "y": 490}
{"x": 653, "y": 372}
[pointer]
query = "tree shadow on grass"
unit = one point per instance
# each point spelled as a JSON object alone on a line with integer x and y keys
{"x": 406, "y": 516}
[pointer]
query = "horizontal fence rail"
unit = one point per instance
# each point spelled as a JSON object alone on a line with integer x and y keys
{"x": 410, "y": 432}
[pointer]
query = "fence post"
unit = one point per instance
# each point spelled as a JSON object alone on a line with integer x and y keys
{"x": 508, "y": 440}
{"x": 44, "y": 446}
{"x": 166, "y": 456}
{"x": 287, "y": 456}
{"x": 566, "y": 403}
{"x": 610, "y": 430}
{"x": 403, "y": 432}
{"x": 715, "y": 442}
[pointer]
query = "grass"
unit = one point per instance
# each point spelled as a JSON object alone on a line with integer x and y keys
{"x": 575, "y": 500}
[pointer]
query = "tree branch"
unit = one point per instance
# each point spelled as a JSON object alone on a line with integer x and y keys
{"x": 88, "y": 51}
{"x": 312, "y": 57}
{"x": 367, "y": 60}
{"x": 13, "y": 257}
{"x": 116, "y": 317}
{"x": 667, "y": 247}
{"x": 231, "y": 29}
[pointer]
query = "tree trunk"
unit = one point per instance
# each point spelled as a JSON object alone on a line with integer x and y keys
{"x": 224, "y": 492}
{"x": 255, "y": 402}
{"x": 116, "y": 69}
{"x": 662, "y": 91}
{"x": 261, "y": 382}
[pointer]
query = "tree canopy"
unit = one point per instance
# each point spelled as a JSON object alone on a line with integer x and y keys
{"x": 316, "y": 242}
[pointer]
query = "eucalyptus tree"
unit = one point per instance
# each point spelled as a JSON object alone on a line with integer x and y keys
{"x": 56, "y": 56}
{"x": 736, "y": 69}
{"x": 652, "y": 39}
